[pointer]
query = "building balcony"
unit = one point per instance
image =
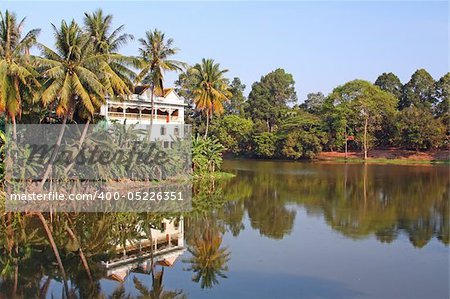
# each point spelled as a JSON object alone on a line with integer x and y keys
{"x": 144, "y": 117}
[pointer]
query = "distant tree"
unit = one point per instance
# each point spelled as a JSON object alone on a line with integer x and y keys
{"x": 443, "y": 95}
{"x": 301, "y": 136}
{"x": 314, "y": 102}
{"x": 268, "y": 96}
{"x": 265, "y": 145}
{"x": 391, "y": 83}
{"x": 362, "y": 107}
{"x": 233, "y": 132}
{"x": 419, "y": 130}
{"x": 184, "y": 87}
{"x": 419, "y": 91}
{"x": 442, "y": 107}
{"x": 235, "y": 105}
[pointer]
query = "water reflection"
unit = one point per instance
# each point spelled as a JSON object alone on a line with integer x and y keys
{"x": 126, "y": 255}
{"x": 356, "y": 200}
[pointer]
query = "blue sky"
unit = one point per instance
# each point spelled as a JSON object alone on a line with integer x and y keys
{"x": 323, "y": 44}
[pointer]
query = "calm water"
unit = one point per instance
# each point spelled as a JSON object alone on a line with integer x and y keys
{"x": 300, "y": 230}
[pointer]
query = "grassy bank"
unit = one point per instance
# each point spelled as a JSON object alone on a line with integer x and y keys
{"x": 219, "y": 175}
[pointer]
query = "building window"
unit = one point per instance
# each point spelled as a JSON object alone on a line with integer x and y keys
{"x": 163, "y": 130}
{"x": 176, "y": 131}
{"x": 166, "y": 144}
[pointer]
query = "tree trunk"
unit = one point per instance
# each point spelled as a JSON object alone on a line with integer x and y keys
{"x": 54, "y": 154}
{"x": 152, "y": 100}
{"x": 55, "y": 250}
{"x": 207, "y": 124}
{"x": 82, "y": 256}
{"x": 365, "y": 137}
{"x": 82, "y": 137}
{"x": 152, "y": 261}
{"x": 14, "y": 126}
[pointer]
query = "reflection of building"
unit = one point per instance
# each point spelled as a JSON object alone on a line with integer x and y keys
{"x": 167, "y": 243}
{"x": 136, "y": 108}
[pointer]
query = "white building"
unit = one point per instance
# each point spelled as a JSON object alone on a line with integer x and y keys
{"x": 168, "y": 113}
{"x": 136, "y": 108}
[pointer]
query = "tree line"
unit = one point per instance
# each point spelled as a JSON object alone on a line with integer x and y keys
{"x": 270, "y": 123}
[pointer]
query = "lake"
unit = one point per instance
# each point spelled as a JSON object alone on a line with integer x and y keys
{"x": 288, "y": 230}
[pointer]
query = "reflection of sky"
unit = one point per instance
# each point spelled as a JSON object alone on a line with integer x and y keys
{"x": 315, "y": 261}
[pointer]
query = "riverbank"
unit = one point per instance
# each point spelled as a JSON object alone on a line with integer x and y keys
{"x": 392, "y": 156}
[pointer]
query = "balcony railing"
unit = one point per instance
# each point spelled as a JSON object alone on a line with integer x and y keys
{"x": 136, "y": 116}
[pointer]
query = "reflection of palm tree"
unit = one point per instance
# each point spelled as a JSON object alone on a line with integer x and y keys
{"x": 157, "y": 291}
{"x": 119, "y": 293}
{"x": 208, "y": 259}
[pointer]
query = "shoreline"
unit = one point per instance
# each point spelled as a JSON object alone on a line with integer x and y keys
{"x": 387, "y": 156}
{"x": 390, "y": 156}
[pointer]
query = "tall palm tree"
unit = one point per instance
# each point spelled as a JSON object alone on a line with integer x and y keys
{"x": 114, "y": 73}
{"x": 17, "y": 76}
{"x": 99, "y": 28}
{"x": 108, "y": 41}
{"x": 155, "y": 52}
{"x": 210, "y": 88}
{"x": 71, "y": 81}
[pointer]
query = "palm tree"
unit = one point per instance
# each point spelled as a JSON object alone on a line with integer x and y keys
{"x": 17, "y": 76}
{"x": 71, "y": 81}
{"x": 155, "y": 52}
{"x": 210, "y": 88}
{"x": 106, "y": 42}
{"x": 99, "y": 27}
{"x": 115, "y": 76}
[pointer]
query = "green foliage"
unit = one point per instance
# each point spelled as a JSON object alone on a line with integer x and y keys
{"x": 155, "y": 53}
{"x": 418, "y": 129}
{"x": 270, "y": 96}
{"x": 206, "y": 155}
{"x": 419, "y": 91}
{"x": 235, "y": 104}
{"x": 314, "y": 102}
{"x": 391, "y": 83}
{"x": 443, "y": 96}
{"x": 18, "y": 77}
{"x": 302, "y": 136}
{"x": 234, "y": 132}
{"x": 265, "y": 145}
{"x": 361, "y": 108}
{"x": 205, "y": 82}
